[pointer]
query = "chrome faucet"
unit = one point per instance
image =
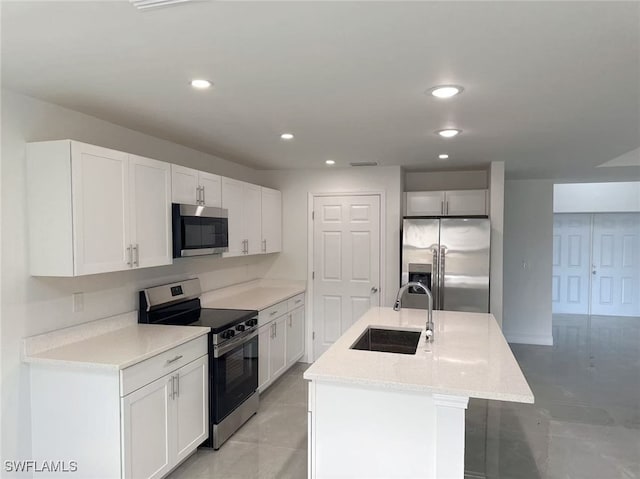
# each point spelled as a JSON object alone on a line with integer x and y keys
{"x": 398, "y": 304}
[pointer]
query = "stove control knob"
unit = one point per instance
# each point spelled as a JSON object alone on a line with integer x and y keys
{"x": 240, "y": 327}
{"x": 252, "y": 322}
{"x": 229, "y": 333}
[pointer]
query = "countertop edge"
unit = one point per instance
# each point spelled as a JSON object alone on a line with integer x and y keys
{"x": 38, "y": 360}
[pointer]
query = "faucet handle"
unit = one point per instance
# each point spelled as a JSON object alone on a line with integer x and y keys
{"x": 429, "y": 334}
{"x": 396, "y": 305}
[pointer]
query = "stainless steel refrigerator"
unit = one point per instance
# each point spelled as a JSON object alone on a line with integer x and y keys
{"x": 451, "y": 257}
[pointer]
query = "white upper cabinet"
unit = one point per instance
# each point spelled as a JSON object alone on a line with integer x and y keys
{"x": 271, "y": 221}
{"x": 193, "y": 187}
{"x": 447, "y": 203}
{"x": 243, "y": 202}
{"x": 94, "y": 210}
{"x": 233, "y": 202}
{"x": 425, "y": 203}
{"x": 467, "y": 203}
{"x": 150, "y": 186}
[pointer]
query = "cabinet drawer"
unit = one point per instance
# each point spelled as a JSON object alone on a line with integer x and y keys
{"x": 295, "y": 302}
{"x": 149, "y": 370}
{"x": 272, "y": 312}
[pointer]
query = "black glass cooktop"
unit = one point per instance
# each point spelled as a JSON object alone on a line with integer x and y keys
{"x": 220, "y": 319}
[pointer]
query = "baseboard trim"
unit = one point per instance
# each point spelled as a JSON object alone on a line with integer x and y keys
{"x": 529, "y": 339}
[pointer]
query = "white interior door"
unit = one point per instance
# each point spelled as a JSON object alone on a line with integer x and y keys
{"x": 616, "y": 264}
{"x": 346, "y": 264}
{"x": 571, "y": 263}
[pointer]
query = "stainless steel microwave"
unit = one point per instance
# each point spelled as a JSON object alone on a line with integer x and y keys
{"x": 199, "y": 230}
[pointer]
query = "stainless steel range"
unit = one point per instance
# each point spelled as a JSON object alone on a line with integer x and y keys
{"x": 233, "y": 351}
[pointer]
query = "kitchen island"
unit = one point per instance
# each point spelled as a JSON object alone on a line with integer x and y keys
{"x": 390, "y": 415}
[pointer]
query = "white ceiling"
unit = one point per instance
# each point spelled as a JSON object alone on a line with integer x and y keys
{"x": 552, "y": 89}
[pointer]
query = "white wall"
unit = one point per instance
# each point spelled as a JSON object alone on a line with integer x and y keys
{"x": 33, "y": 305}
{"x": 620, "y": 197}
{"x": 445, "y": 180}
{"x": 528, "y": 246}
{"x": 296, "y": 186}
{"x": 496, "y": 216}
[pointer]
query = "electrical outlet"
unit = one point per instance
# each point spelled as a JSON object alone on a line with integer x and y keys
{"x": 78, "y": 302}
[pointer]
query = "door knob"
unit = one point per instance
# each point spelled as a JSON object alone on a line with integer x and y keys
{"x": 374, "y": 290}
{"x": 593, "y": 272}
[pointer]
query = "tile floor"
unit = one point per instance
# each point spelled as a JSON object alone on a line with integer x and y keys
{"x": 585, "y": 423}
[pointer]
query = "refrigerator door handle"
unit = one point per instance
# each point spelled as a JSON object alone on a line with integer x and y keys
{"x": 435, "y": 279}
{"x": 441, "y": 271}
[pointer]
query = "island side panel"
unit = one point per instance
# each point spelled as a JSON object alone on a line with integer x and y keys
{"x": 450, "y": 432}
{"x": 358, "y": 431}
{"x": 75, "y": 416}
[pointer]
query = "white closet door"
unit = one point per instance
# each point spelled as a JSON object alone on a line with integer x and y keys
{"x": 571, "y": 263}
{"x": 616, "y": 264}
{"x": 346, "y": 259}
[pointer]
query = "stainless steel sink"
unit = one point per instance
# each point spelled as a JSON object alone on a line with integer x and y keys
{"x": 388, "y": 341}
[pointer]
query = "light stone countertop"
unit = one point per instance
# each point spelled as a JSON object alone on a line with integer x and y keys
{"x": 469, "y": 357}
{"x": 257, "y": 295}
{"x": 117, "y": 349}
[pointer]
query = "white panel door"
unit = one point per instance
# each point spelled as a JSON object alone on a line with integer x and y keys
{"x": 425, "y": 203}
{"x": 232, "y": 201}
{"x": 616, "y": 264}
{"x": 271, "y": 221}
{"x": 147, "y": 428}
{"x": 252, "y": 214}
{"x": 278, "y": 346}
{"x": 184, "y": 185}
{"x": 150, "y": 187}
{"x": 570, "y": 281}
{"x": 346, "y": 259}
{"x": 466, "y": 203}
{"x": 295, "y": 334}
{"x": 100, "y": 185}
{"x": 211, "y": 189}
{"x": 192, "y": 406}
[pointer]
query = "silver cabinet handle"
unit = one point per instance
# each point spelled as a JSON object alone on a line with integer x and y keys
{"x": 136, "y": 255}
{"x": 129, "y": 255}
{"x": 298, "y": 301}
{"x": 374, "y": 290}
{"x": 290, "y": 320}
{"x": 178, "y": 385}
{"x": 273, "y": 313}
{"x": 197, "y": 195}
{"x": 275, "y": 330}
{"x": 264, "y": 245}
{"x": 173, "y": 387}
{"x": 203, "y": 195}
{"x": 169, "y": 361}
{"x": 442, "y": 207}
{"x": 446, "y": 211}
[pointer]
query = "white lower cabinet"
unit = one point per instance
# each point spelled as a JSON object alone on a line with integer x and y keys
{"x": 280, "y": 339}
{"x": 136, "y": 423}
{"x": 165, "y": 421}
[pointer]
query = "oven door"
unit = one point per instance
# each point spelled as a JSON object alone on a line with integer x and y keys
{"x": 234, "y": 374}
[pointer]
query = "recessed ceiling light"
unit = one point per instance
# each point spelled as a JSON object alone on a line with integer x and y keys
{"x": 330, "y": 162}
{"x": 445, "y": 91}
{"x": 287, "y": 136}
{"x": 200, "y": 84}
{"x": 449, "y": 132}
{"x": 443, "y": 156}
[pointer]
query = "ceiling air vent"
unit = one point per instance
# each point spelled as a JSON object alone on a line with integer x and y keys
{"x": 149, "y": 4}
{"x": 364, "y": 163}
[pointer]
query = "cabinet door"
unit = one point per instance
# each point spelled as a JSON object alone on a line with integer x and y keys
{"x": 278, "y": 346}
{"x": 252, "y": 213}
{"x": 264, "y": 340}
{"x": 295, "y": 335}
{"x": 212, "y": 189}
{"x": 232, "y": 201}
{"x": 425, "y": 203}
{"x": 184, "y": 185}
{"x": 192, "y": 406}
{"x": 271, "y": 221}
{"x": 100, "y": 186}
{"x": 147, "y": 428}
{"x": 466, "y": 203}
{"x": 150, "y": 187}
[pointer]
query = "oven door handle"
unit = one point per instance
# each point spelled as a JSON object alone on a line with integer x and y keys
{"x": 226, "y": 347}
